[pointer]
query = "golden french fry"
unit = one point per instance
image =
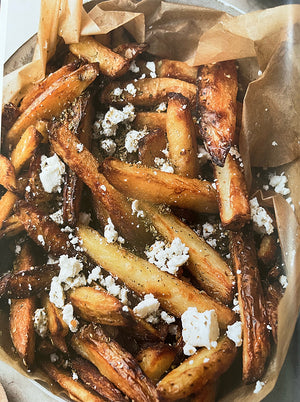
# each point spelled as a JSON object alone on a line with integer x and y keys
{"x": 256, "y": 342}
{"x": 211, "y": 272}
{"x": 232, "y": 194}
{"x": 57, "y": 327}
{"x": 216, "y": 104}
{"x": 42, "y": 86}
{"x": 76, "y": 390}
{"x": 110, "y": 63}
{"x": 116, "y": 364}
{"x": 176, "y": 69}
{"x": 148, "y": 91}
{"x": 151, "y": 120}
{"x": 139, "y": 275}
{"x": 11, "y": 227}
{"x": 156, "y": 360}
{"x": 140, "y": 182}
{"x": 196, "y": 371}
{"x": 181, "y": 136}
{"x": 7, "y": 174}
{"x": 7, "y": 203}
{"x": 53, "y": 100}
{"x": 21, "y": 313}
{"x": 91, "y": 376}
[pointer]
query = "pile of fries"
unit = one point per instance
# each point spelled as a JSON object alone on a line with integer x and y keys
{"x": 115, "y": 139}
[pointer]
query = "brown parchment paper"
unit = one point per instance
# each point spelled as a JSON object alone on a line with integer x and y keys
{"x": 270, "y": 110}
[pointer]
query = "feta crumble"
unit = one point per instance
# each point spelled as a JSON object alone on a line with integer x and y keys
{"x": 161, "y": 107}
{"x": 133, "y": 67}
{"x": 283, "y": 281}
{"x": 278, "y": 183}
{"x": 166, "y": 317}
{"x": 207, "y": 230}
{"x": 199, "y": 329}
{"x": 131, "y": 89}
{"x": 57, "y": 217}
{"x": 212, "y": 242}
{"x": 79, "y": 147}
{"x": 94, "y": 275}
{"x": 109, "y": 146}
{"x": 109, "y": 124}
{"x": 132, "y": 139}
{"x": 163, "y": 165}
{"x": 41, "y": 240}
{"x": 234, "y": 332}
{"x": 147, "y": 306}
{"x": 56, "y": 294}
{"x": 68, "y": 317}
{"x": 135, "y": 209}
{"x": 203, "y": 155}
{"x": 258, "y": 387}
{"x": 274, "y": 143}
{"x": 110, "y": 233}
{"x": 69, "y": 267}
{"x": 117, "y": 91}
{"x": 151, "y": 66}
{"x": 109, "y": 283}
{"x": 168, "y": 258}
{"x": 260, "y": 217}
{"x": 52, "y": 171}
{"x": 40, "y": 322}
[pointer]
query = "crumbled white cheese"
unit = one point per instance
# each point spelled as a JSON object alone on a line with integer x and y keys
{"x": 203, "y": 155}
{"x": 258, "y": 387}
{"x": 132, "y": 139}
{"x": 131, "y": 89}
{"x": 166, "y": 317}
{"x": 84, "y": 218}
{"x": 234, "y": 332}
{"x": 125, "y": 308}
{"x": 135, "y": 209}
{"x": 168, "y": 258}
{"x": 27, "y": 188}
{"x": 79, "y": 147}
{"x": 207, "y": 230}
{"x": 212, "y": 242}
{"x": 56, "y": 294}
{"x": 283, "y": 281}
{"x": 151, "y": 66}
{"x": 94, "y": 275}
{"x": 266, "y": 187}
{"x": 109, "y": 146}
{"x": 18, "y": 249}
{"x": 74, "y": 376}
{"x": 147, "y": 306}
{"x": 142, "y": 76}
{"x": 199, "y": 329}
{"x": 76, "y": 282}
{"x": 279, "y": 182}
{"x": 117, "y": 91}
{"x": 133, "y": 67}
{"x": 103, "y": 187}
{"x": 68, "y": 317}
{"x": 206, "y": 360}
{"x": 163, "y": 165}
{"x": 274, "y": 143}
{"x": 114, "y": 289}
{"x": 40, "y": 322}
{"x": 57, "y": 217}
{"x": 260, "y": 217}
{"x": 162, "y": 107}
{"x": 52, "y": 171}
{"x": 109, "y": 124}
{"x": 69, "y": 267}
{"x": 41, "y": 240}
{"x": 110, "y": 233}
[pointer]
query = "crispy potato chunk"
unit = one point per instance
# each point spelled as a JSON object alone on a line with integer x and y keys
{"x": 256, "y": 343}
{"x": 115, "y": 363}
{"x": 148, "y": 92}
{"x": 151, "y": 120}
{"x": 140, "y": 182}
{"x": 11, "y": 227}
{"x": 232, "y": 194}
{"x": 156, "y": 360}
{"x": 53, "y": 100}
{"x": 75, "y": 390}
{"x": 57, "y": 327}
{"x": 176, "y": 69}
{"x": 195, "y": 372}
{"x": 110, "y": 63}
{"x": 21, "y": 313}
{"x": 205, "y": 264}
{"x": 181, "y": 136}
{"x": 174, "y": 295}
{"x": 7, "y": 174}
{"x": 216, "y": 103}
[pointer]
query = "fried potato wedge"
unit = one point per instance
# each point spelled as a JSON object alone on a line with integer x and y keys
{"x": 7, "y": 174}
{"x": 91, "y": 377}
{"x": 196, "y": 371}
{"x": 46, "y": 83}
{"x": 115, "y": 363}
{"x": 111, "y": 63}
{"x": 85, "y": 165}
{"x": 232, "y": 194}
{"x": 216, "y": 104}
{"x": 205, "y": 264}
{"x": 98, "y": 306}
{"x": 151, "y": 120}
{"x": 22, "y": 311}
{"x": 56, "y": 325}
{"x": 174, "y": 295}
{"x": 7, "y": 203}
{"x": 176, "y": 69}
{"x": 273, "y": 295}
{"x": 10, "y": 114}
{"x": 24, "y": 284}
{"x": 11, "y": 227}
{"x": 151, "y": 147}
{"x": 140, "y": 182}
{"x": 256, "y": 342}
{"x": 53, "y": 100}
{"x": 75, "y": 390}
{"x": 156, "y": 360}
{"x": 148, "y": 91}
{"x": 43, "y": 230}
{"x": 181, "y": 136}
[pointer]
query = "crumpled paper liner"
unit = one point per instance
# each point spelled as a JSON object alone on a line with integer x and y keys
{"x": 270, "y": 110}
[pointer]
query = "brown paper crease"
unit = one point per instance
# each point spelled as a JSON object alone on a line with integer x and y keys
{"x": 270, "y": 111}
